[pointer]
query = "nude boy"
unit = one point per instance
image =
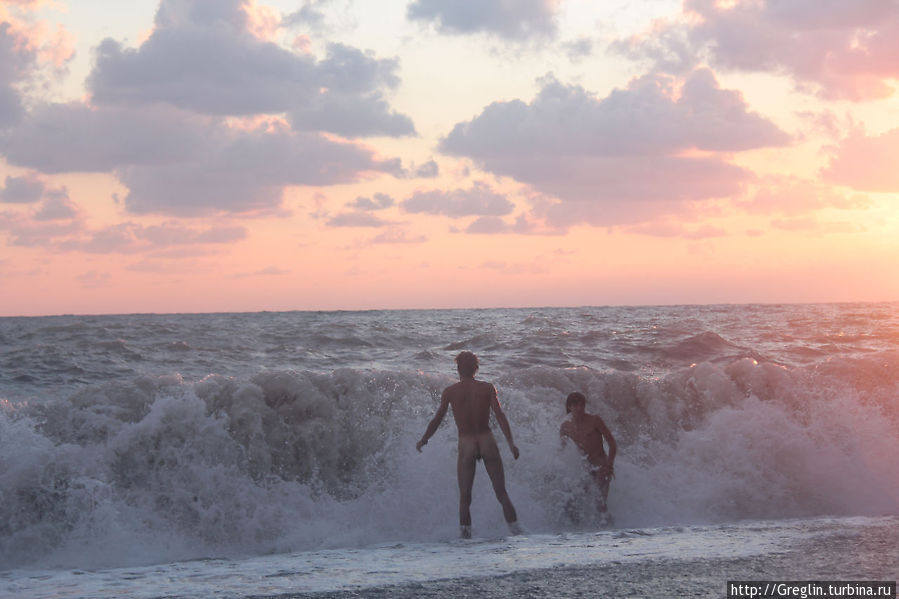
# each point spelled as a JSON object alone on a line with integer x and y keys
{"x": 588, "y": 431}
{"x": 472, "y": 401}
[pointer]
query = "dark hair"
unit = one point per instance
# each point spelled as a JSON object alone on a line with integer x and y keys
{"x": 467, "y": 363}
{"x": 573, "y": 398}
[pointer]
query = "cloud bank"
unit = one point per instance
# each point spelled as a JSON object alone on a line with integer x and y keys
{"x": 653, "y": 142}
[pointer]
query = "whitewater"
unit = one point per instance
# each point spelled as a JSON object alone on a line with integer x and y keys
{"x": 273, "y": 454}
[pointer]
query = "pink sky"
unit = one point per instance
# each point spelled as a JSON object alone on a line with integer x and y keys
{"x": 242, "y": 155}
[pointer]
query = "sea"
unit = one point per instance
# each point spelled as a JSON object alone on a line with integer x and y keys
{"x": 272, "y": 454}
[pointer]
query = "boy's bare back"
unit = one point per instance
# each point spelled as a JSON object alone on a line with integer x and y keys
{"x": 471, "y": 401}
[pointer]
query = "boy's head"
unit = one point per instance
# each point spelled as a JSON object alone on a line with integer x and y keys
{"x": 467, "y": 363}
{"x": 573, "y": 399}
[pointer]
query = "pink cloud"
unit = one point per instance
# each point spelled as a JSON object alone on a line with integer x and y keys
{"x": 840, "y": 50}
{"x": 792, "y": 196}
{"x": 866, "y": 163}
{"x": 41, "y": 229}
{"x": 639, "y": 152}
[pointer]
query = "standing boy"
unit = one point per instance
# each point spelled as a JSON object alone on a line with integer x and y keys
{"x": 472, "y": 401}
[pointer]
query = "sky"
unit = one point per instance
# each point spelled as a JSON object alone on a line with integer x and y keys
{"x": 248, "y": 155}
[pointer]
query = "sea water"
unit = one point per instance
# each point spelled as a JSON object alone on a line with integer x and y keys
{"x": 267, "y": 454}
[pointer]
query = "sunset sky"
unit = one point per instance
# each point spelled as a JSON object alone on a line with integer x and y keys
{"x": 244, "y": 155}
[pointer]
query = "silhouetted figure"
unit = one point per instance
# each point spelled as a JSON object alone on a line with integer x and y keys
{"x": 588, "y": 431}
{"x": 472, "y": 401}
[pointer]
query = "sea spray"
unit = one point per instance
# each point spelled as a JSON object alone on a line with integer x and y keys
{"x": 157, "y": 467}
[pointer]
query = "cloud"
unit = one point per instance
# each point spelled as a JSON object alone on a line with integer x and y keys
{"x": 394, "y": 235}
{"x": 176, "y": 163}
{"x": 380, "y": 202}
{"x": 247, "y": 171}
{"x": 73, "y": 137}
{"x": 840, "y": 50}
{"x": 27, "y": 44}
{"x": 428, "y": 170}
{"x": 487, "y": 225}
{"x": 307, "y": 15}
{"x": 523, "y": 225}
{"x": 59, "y": 224}
{"x": 52, "y": 221}
{"x": 17, "y": 59}
{"x": 357, "y": 219}
{"x": 350, "y": 116}
{"x": 26, "y": 189}
{"x": 867, "y": 163}
{"x": 601, "y": 158}
{"x": 204, "y": 57}
{"x": 479, "y": 199}
{"x": 129, "y": 237}
{"x": 511, "y": 20}
{"x": 579, "y": 49}
{"x": 647, "y": 118}
{"x": 57, "y": 208}
{"x": 792, "y": 196}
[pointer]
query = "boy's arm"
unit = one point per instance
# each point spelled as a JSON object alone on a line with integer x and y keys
{"x": 502, "y": 421}
{"x": 435, "y": 421}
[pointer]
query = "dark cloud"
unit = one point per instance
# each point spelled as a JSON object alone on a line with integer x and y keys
{"x": 203, "y": 57}
{"x": 841, "y": 50}
{"x": 478, "y": 200}
{"x": 512, "y": 20}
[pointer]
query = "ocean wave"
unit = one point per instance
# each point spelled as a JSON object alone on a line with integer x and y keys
{"x": 287, "y": 460}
